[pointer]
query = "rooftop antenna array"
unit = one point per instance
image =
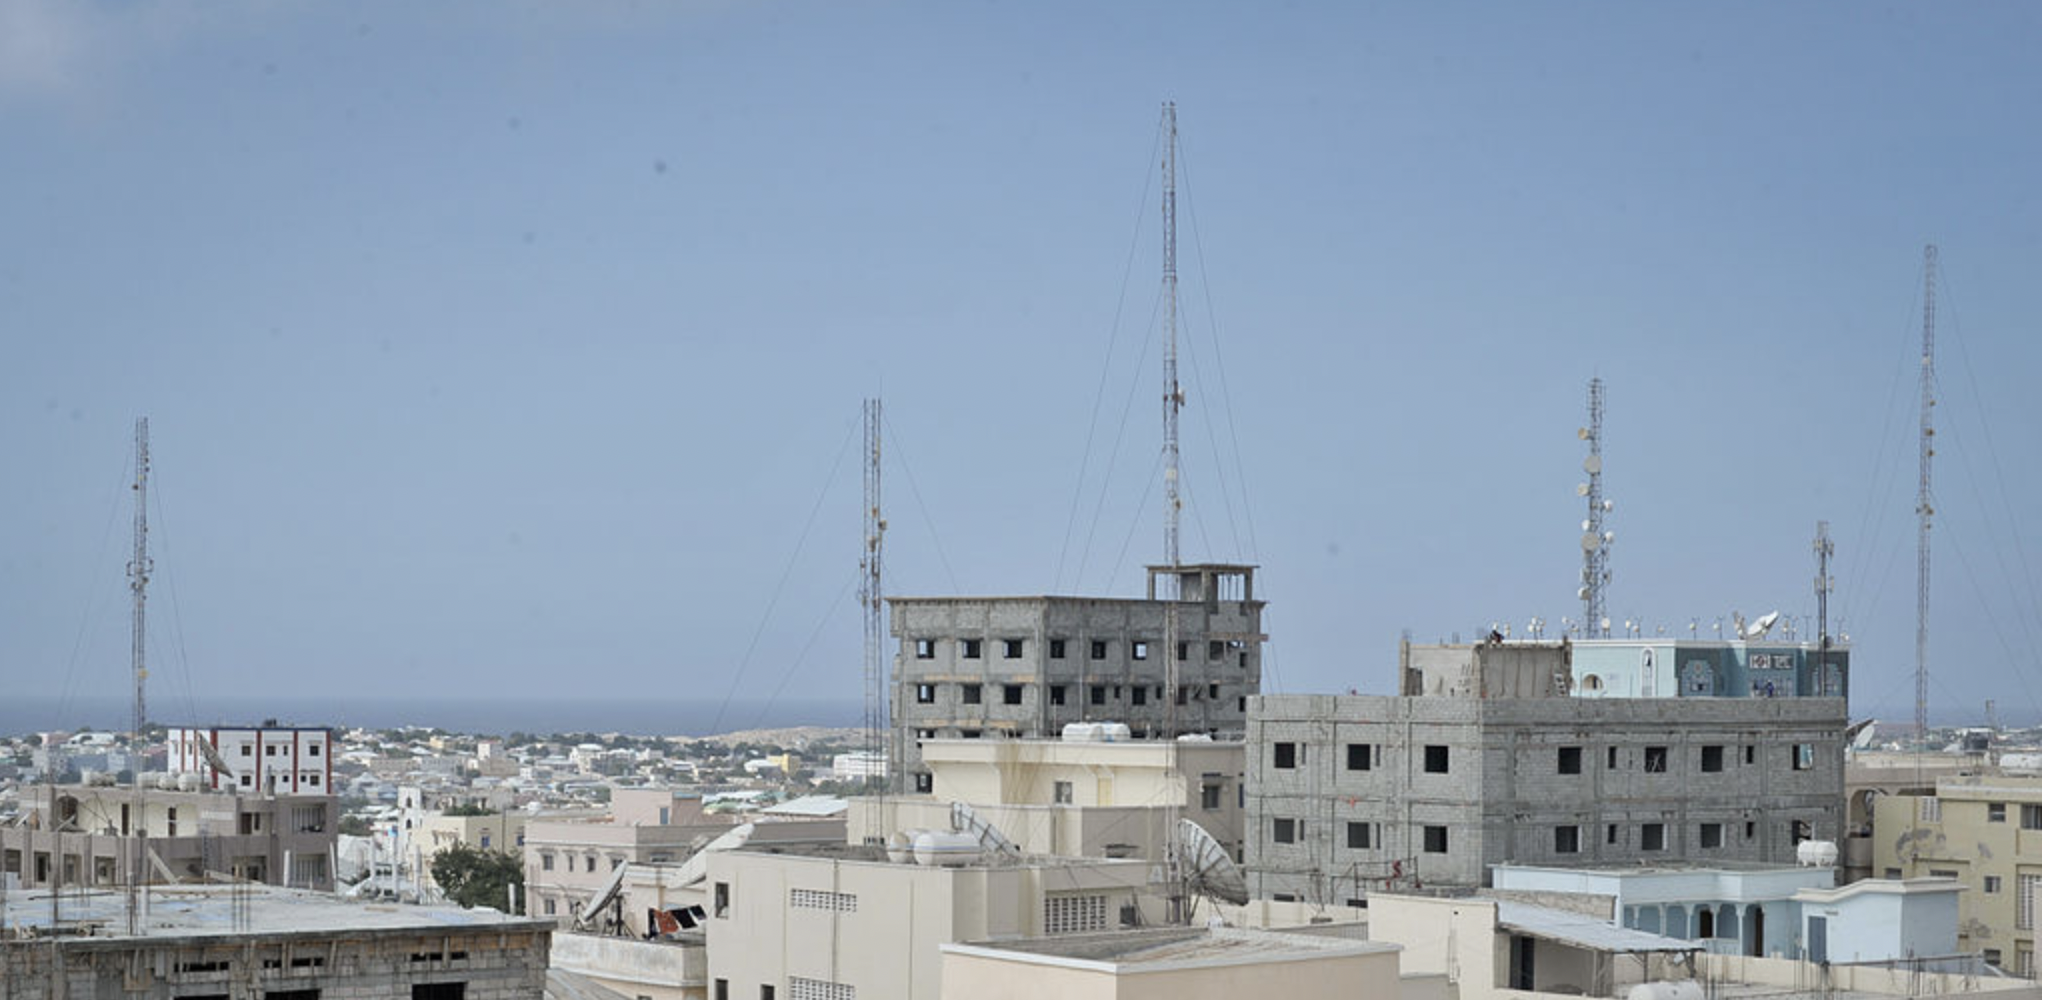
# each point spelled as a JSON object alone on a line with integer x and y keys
{"x": 875, "y": 706}
{"x": 1924, "y": 509}
{"x": 1594, "y": 540}
{"x": 1824, "y": 583}
{"x": 1171, "y": 453}
{"x": 139, "y": 568}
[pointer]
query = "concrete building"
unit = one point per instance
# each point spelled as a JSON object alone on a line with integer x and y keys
{"x": 1658, "y": 667}
{"x": 1178, "y": 963}
{"x": 843, "y": 921}
{"x": 87, "y": 837}
{"x": 267, "y": 942}
{"x": 1024, "y": 667}
{"x": 1076, "y": 798}
{"x": 267, "y": 759}
{"x": 1345, "y": 794}
{"x": 502, "y": 831}
{"x": 1988, "y": 834}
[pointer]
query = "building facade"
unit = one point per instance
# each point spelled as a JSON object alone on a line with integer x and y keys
{"x": 84, "y": 836}
{"x": 1657, "y": 667}
{"x": 267, "y": 759}
{"x": 1988, "y": 834}
{"x": 1024, "y": 667}
{"x": 1349, "y": 793}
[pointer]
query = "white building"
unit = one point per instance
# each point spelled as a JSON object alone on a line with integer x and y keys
{"x": 267, "y": 759}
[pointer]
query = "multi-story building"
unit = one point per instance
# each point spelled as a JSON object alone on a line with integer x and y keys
{"x": 1658, "y": 667}
{"x": 267, "y": 759}
{"x": 1347, "y": 793}
{"x": 86, "y": 835}
{"x": 1074, "y": 797}
{"x": 1986, "y": 833}
{"x": 1024, "y": 667}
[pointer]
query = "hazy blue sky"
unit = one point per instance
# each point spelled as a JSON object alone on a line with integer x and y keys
{"x": 512, "y": 346}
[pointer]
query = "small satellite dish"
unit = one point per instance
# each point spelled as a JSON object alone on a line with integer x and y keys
{"x": 1609, "y": 536}
{"x": 1583, "y": 593}
{"x": 1589, "y": 542}
{"x": 1583, "y": 433}
{"x": 1581, "y": 489}
{"x": 1605, "y": 624}
{"x": 1608, "y": 505}
{"x": 1592, "y": 464}
{"x": 1586, "y": 524}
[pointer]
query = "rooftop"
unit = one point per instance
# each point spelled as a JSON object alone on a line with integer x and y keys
{"x": 1179, "y": 947}
{"x": 240, "y": 911}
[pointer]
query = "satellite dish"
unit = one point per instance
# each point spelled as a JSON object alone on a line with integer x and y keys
{"x": 1609, "y": 536}
{"x": 1583, "y": 433}
{"x": 1583, "y": 593}
{"x": 1589, "y": 542}
{"x": 1593, "y": 464}
{"x": 1605, "y": 624}
{"x": 966, "y": 821}
{"x": 1211, "y": 869}
{"x": 1581, "y": 489}
{"x": 1608, "y": 505}
{"x": 1762, "y": 626}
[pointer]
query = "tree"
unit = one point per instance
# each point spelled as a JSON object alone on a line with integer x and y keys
{"x": 473, "y": 877}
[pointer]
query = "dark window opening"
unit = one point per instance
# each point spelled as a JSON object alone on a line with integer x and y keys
{"x": 1711, "y": 760}
{"x": 1138, "y": 695}
{"x": 1569, "y": 760}
{"x": 722, "y": 895}
{"x": 1181, "y": 649}
{"x": 1098, "y": 649}
{"x": 1284, "y": 831}
{"x": 1437, "y": 758}
{"x": 922, "y": 782}
{"x": 923, "y": 647}
{"x": 1057, "y": 693}
{"x": 438, "y": 991}
{"x": 1711, "y": 836}
{"x": 1097, "y": 694}
{"x": 1654, "y": 760}
{"x": 1566, "y": 840}
{"x": 971, "y": 694}
{"x": 1652, "y": 837}
{"x": 925, "y": 694}
{"x": 1612, "y": 758}
{"x": 1359, "y": 756}
{"x": 1014, "y": 694}
{"x": 1217, "y": 649}
{"x": 1056, "y": 649}
{"x": 1436, "y": 839}
{"x": 1014, "y": 649}
{"x": 1359, "y": 836}
{"x": 1284, "y": 756}
{"x": 971, "y": 649}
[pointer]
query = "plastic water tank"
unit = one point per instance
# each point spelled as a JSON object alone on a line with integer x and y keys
{"x": 945, "y": 849}
{"x": 1685, "y": 989}
{"x": 1095, "y": 732}
{"x": 1816, "y": 853}
{"x": 188, "y": 781}
{"x": 88, "y": 776}
{"x": 898, "y": 847}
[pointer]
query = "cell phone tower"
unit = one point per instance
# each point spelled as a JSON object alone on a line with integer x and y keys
{"x": 1924, "y": 508}
{"x": 1595, "y": 539}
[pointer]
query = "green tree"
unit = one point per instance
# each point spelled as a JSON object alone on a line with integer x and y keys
{"x": 355, "y": 826}
{"x": 472, "y": 877}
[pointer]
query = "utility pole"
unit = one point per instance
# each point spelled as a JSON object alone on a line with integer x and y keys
{"x": 1594, "y": 540}
{"x": 1924, "y": 508}
{"x": 139, "y": 567}
{"x": 874, "y": 716}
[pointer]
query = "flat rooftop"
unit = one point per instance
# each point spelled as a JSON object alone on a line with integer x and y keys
{"x": 183, "y": 911}
{"x": 1142, "y": 950}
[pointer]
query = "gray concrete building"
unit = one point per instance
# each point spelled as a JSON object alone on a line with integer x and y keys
{"x": 1024, "y": 667}
{"x": 1351, "y": 794}
{"x": 85, "y": 836}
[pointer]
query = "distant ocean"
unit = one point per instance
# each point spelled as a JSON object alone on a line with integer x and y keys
{"x": 652, "y": 716}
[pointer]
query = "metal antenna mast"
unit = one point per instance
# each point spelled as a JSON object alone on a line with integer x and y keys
{"x": 1594, "y": 540}
{"x": 876, "y": 704}
{"x": 1924, "y": 508}
{"x": 1824, "y": 583}
{"x": 139, "y": 567}
{"x": 1171, "y": 445}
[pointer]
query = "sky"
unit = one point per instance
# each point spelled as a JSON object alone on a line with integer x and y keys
{"x": 518, "y": 349}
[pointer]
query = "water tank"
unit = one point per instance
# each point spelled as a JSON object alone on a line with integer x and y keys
{"x": 898, "y": 847}
{"x": 1816, "y": 853}
{"x": 88, "y": 776}
{"x": 188, "y": 781}
{"x": 1685, "y": 989}
{"x": 163, "y": 779}
{"x": 1095, "y": 732}
{"x": 945, "y": 849}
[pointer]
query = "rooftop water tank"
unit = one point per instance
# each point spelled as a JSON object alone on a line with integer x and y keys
{"x": 1816, "y": 854}
{"x": 945, "y": 849}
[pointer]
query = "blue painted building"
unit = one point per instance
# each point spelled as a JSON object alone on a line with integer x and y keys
{"x": 1669, "y": 667}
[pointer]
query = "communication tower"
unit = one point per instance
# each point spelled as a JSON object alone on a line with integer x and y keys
{"x": 1595, "y": 539}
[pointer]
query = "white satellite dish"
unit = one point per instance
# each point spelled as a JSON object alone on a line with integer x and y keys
{"x": 966, "y": 821}
{"x": 1583, "y": 433}
{"x": 1592, "y": 464}
{"x": 1762, "y": 626}
{"x": 1211, "y": 870}
{"x": 1583, "y": 593}
{"x": 1581, "y": 489}
{"x": 1608, "y": 505}
{"x": 1589, "y": 542}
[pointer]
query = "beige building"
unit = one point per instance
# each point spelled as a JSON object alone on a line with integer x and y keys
{"x": 1986, "y": 833}
{"x": 844, "y": 922}
{"x": 505, "y": 831}
{"x": 86, "y": 837}
{"x": 1073, "y": 798}
{"x": 1178, "y": 963}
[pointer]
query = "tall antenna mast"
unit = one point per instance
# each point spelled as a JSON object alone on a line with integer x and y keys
{"x": 1171, "y": 384}
{"x": 1824, "y": 583}
{"x": 139, "y": 567}
{"x": 1924, "y": 509}
{"x": 1594, "y": 539}
{"x": 875, "y": 706}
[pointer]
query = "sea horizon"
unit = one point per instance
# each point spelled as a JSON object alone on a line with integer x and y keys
{"x": 497, "y": 716}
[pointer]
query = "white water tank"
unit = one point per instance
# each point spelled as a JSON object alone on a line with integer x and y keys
{"x": 164, "y": 779}
{"x": 945, "y": 849}
{"x": 898, "y": 847}
{"x": 188, "y": 782}
{"x": 1095, "y": 732}
{"x": 1685, "y": 989}
{"x": 1816, "y": 854}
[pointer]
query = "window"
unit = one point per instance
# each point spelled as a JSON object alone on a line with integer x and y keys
{"x": 1993, "y": 957}
{"x": 1612, "y": 758}
{"x": 1216, "y": 649}
{"x": 1751, "y": 754}
{"x": 1711, "y": 760}
{"x": 1801, "y": 830}
{"x": 548, "y": 907}
{"x": 1804, "y": 756}
{"x": 971, "y": 694}
{"x": 719, "y": 990}
{"x": 1436, "y": 840}
{"x": 819, "y": 989}
{"x": 2028, "y": 891}
{"x": 1056, "y": 649}
{"x": 1076, "y": 914}
{"x": 768, "y": 992}
{"x": 1992, "y": 885}
{"x": 1138, "y": 695}
{"x": 1711, "y": 836}
{"x": 923, "y": 650}
{"x": 2032, "y": 816}
{"x": 1097, "y": 694}
{"x": 591, "y": 863}
{"x": 270, "y": 751}
{"x": 1284, "y": 756}
{"x": 433, "y": 991}
{"x": 1893, "y": 873}
{"x": 248, "y": 781}
{"x": 1613, "y": 828}
{"x": 1057, "y": 694}
{"x": 1014, "y": 694}
{"x": 1565, "y": 840}
{"x": 1750, "y": 829}
{"x": 923, "y": 734}
{"x": 1014, "y": 649}
{"x": 1098, "y": 649}
{"x": 1212, "y": 796}
{"x": 313, "y": 750}
{"x": 971, "y": 734}
{"x": 971, "y": 649}
{"x": 1996, "y": 812}
{"x": 1139, "y": 650}
{"x": 1652, "y": 837}
{"x": 1359, "y": 756}
{"x": 246, "y": 751}
{"x": 1930, "y": 809}
{"x": 922, "y": 782}
{"x": 1654, "y": 760}
{"x": 1569, "y": 760}
{"x": 925, "y": 694}
{"x": 1360, "y": 836}
{"x": 1284, "y": 831}
{"x": 1437, "y": 758}
{"x": 1181, "y": 649}
{"x": 1063, "y": 793}
{"x": 722, "y": 899}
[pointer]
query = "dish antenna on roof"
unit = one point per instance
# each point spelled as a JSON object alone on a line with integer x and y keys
{"x": 1209, "y": 867}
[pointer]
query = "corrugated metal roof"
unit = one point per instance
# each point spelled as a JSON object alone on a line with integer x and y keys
{"x": 1583, "y": 931}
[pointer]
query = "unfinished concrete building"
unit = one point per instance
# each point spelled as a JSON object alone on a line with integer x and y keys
{"x": 84, "y": 836}
{"x": 1345, "y": 794}
{"x": 1024, "y": 667}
